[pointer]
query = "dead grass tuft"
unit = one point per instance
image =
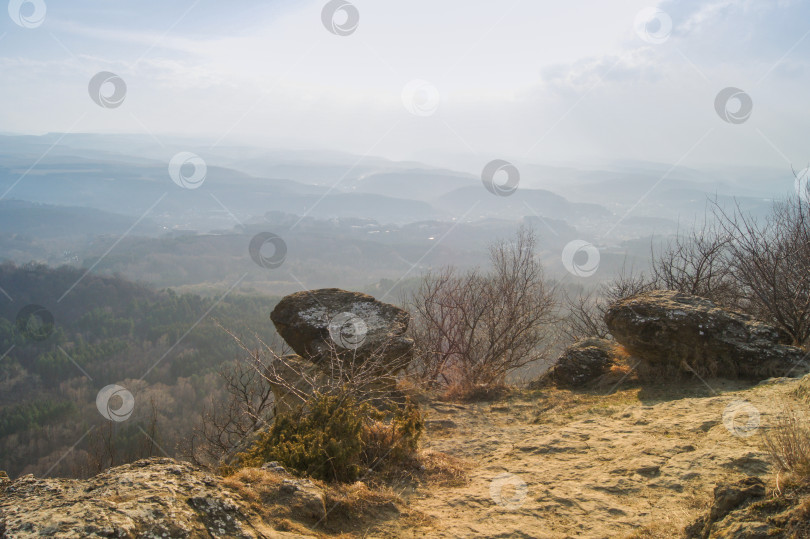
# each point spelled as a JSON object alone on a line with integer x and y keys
{"x": 444, "y": 470}
{"x": 788, "y": 444}
{"x": 255, "y": 484}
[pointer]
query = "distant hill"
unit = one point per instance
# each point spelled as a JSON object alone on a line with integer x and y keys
{"x": 419, "y": 184}
{"x": 49, "y": 221}
{"x": 523, "y": 201}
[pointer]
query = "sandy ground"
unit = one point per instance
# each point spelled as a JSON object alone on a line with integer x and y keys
{"x": 632, "y": 463}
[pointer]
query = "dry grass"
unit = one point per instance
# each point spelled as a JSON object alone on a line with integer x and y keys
{"x": 561, "y": 405}
{"x": 358, "y": 509}
{"x": 802, "y": 390}
{"x": 477, "y": 393}
{"x": 353, "y": 509}
{"x": 788, "y": 444}
{"x": 261, "y": 490}
{"x": 413, "y": 390}
{"x": 444, "y": 470}
{"x": 255, "y": 484}
{"x": 672, "y": 523}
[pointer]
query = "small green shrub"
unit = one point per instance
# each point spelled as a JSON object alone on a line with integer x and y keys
{"x": 334, "y": 437}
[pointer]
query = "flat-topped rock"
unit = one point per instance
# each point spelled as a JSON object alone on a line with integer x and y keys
{"x": 691, "y": 333}
{"x": 317, "y": 323}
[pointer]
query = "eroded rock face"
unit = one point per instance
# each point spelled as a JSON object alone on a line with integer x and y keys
{"x": 156, "y": 497}
{"x": 353, "y": 324}
{"x": 580, "y": 364}
{"x": 691, "y": 333}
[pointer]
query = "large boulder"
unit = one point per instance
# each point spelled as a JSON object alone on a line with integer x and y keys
{"x": 692, "y": 334}
{"x": 319, "y": 323}
{"x": 580, "y": 365}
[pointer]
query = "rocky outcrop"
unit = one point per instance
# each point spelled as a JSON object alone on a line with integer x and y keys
{"x": 356, "y": 326}
{"x": 580, "y": 365}
{"x": 156, "y": 497}
{"x": 692, "y": 334}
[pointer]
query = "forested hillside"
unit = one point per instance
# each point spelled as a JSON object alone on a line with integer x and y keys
{"x": 162, "y": 347}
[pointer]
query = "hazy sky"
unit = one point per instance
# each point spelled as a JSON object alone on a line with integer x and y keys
{"x": 529, "y": 80}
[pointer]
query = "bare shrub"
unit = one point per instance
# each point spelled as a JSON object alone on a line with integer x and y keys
{"x": 698, "y": 263}
{"x": 224, "y": 425}
{"x": 585, "y": 312}
{"x": 368, "y": 378}
{"x": 770, "y": 262}
{"x": 271, "y": 394}
{"x": 473, "y": 328}
{"x": 788, "y": 444}
{"x": 704, "y": 261}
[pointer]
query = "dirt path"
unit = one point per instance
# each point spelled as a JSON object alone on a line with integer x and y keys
{"x": 559, "y": 464}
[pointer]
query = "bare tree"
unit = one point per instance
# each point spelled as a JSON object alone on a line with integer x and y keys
{"x": 698, "y": 263}
{"x": 770, "y": 263}
{"x": 475, "y": 327}
{"x": 225, "y": 425}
